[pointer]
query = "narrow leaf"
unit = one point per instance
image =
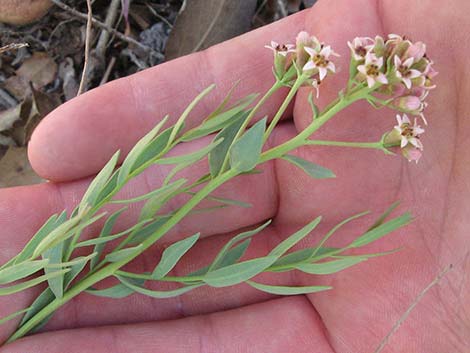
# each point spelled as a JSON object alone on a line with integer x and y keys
{"x": 123, "y": 254}
{"x": 76, "y": 268}
{"x": 118, "y": 291}
{"x": 225, "y": 201}
{"x": 105, "y": 231}
{"x": 108, "y": 238}
{"x": 98, "y": 183}
{"x": 329, "y": 267}
{"x": 284, "y": 290}
{"x": 233, "y": 255}
{"x": 179, "y": 123}
{"x": 172, "y": 255}
{"x": 164, "y": 190}
{"x": 53, "y": 222}
{"x": 140, "y": 235}
{"x": 312, "y": 169}
{"x": 242, "y": 236}
{"x": 31, "y": 283}
{"x": 158, "y": 294}
{"x": 384, "y": 215}
{"x": 382, "y": 230}
{"x": 39, "y": 303}
{"x": 152, "y": 152}
{"x": 12, "y": 316}
{"x": 288, "y": 261}
{"x": 245, "y": 153}
{"x": 54, "y": 256}
{"x": 152, "y": 206}
{"x": 21, "y": 270}
{"x": 227, "y": 134}
{"x": 190, "y": 158}
{"x": 239, "y": 272}
{"x": 288, "y": 243}
{"x": 128, "y": 164}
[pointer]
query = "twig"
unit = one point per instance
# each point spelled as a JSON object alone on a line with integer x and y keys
{"x": 111, "y": 16}
{"x": 100, "y": 24}
{"x": 108, "y": 70}
{"x": 13, "y": 46}
{"x": 83, "y": 82}
{"x": 160, "y": 17}
{"x": 282, "y": 8}
{"x": 209, "y": 28}
{"x": 411, "y": 307}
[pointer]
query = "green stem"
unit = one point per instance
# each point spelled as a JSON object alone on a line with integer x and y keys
{"x": 109, "y": 270}
{"x": 300, "y": 140}
{"x": 374, "y": 145}
{"x": 298, "y": 82}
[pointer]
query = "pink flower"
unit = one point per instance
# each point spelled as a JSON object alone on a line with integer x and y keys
{"x": 371, "y": 70}
{"x": 409, "y": 103}
{"x": 360, "y": 46}
{"x": 412, "y": 153}
{"x": 404, "y": 72}
{"x": 409, "y": 134}
{"x": 416, "y": 51}
{"x": 319, "y": 59}
{"x": 281, "y": 49}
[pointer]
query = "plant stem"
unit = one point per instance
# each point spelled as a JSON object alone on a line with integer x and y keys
{"x": 299, "y": 140}
{"x": 374, "y": 145}
{"x": 298, "y": 82}
{"x": 93, "y": 278}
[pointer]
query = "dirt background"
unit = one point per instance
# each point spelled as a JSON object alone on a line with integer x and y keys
{"x": 42, "y": 61}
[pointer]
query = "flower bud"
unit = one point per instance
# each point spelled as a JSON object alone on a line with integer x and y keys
{"x": 411, "y": 153}
{"x": 416, "y": 51}
{"x": 408, "y": 103}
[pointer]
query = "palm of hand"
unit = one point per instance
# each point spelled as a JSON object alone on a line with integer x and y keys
{"x": 366, "y": 300}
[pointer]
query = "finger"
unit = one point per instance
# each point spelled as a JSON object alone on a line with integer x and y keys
{"x": 77, "y": 138}
{"x": 283, "y": 325}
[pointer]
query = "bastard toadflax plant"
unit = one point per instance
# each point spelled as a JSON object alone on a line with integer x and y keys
{"x": 393, "y": 72}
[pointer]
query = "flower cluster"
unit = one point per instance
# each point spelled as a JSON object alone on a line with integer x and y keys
{"x": 308, "y": 55}
{"x": 399, "y": 74}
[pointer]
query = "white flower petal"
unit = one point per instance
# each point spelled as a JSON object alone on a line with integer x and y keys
{"x": 362, "y": 69}
{"x": 382, "y": 78}
{"x": 407, "y": 82}
{"x": 408, "y": 62}
{"x": 322, "y": 71}
{"x": 370, "y": 82}
{"x": 404, "y": 141}
{"x": 309, "y": 66}
{"x": 310, "y": 51}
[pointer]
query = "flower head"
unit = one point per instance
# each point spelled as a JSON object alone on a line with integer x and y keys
{"x": 371, "y": 69}
{"x": 409, "y": 134}
{"x": 404, "y": 72}
{"x": 281, "y": 49}
{"x": 360, "y": 46}
{"x": 319, "y": 60}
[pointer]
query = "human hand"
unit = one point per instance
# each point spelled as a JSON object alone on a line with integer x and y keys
{"x": 367, "y": 300}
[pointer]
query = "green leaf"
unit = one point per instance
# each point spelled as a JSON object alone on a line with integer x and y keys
{"x": 140, "y": 235}
{"x": 288, "y": 243}
{"x": 219, "y": 121}
{"x": 130, "y": 161}
{"x": 226, "y": 201}
{"x": 384, "y": 215}
{"x": 105, "y": 231}
{"x": 98, "y": 183}
{"x": 246, "y": 151}
{"x": 312, "y": 169}
{"x": 329, "y": 267}
{"x": 152, "y": 206}
{"x": 12, "y": 316}
{"x": 21, "y": 270}
{"x": 288, "y": 261}
{"x": 315, "y": 111}
{"x": 108, "y": 188}
{"x": 118, "y": 291}
{"x": 76, "y": 268}
{"x": 335, "y": 228}
{"x": 239, "y": 272}
{"x": 172, "y": 255}
{"x": 54, "y": 256}
{"x": 31, "y": 283}
{"x": 382, "y": 230}
{"x": 223, "y": 253}
{"x": 39, "y": 303}
{"x": 227, "y": 134}
{"x": 102, "y": 240}
{"x": 123, "y": 254}
{"x": 283, "y": 290}
{"x": 157, "y": 294}
{"x": 152, "y": 152}
{"x": 233, "y": 255}
{"x": 65, "y": 231}
{"x": 179, "y": 123}
{"x": 53, "y": 222}
{"x": 164, "y": 190}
